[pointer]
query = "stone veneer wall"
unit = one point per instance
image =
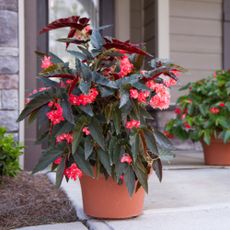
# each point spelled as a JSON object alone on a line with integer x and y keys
{"x": 9, "y": 65}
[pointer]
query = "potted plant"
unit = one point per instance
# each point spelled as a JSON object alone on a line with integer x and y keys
{"x": 203, "y": 114}
{"x": 94, "y": 116}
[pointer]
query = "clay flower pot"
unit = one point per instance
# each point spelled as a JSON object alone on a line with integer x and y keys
{"x": 106, "y": 199}
{"x": 217, "y": 153}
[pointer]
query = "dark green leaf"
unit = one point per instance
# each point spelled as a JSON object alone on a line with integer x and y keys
{"x": 134, "y": 143}
{"x": 142, "y": 178}
{"x": 77, "y": 134}
{"x": 104, "y": 159}
{"x": 47, "y": 158}
{"x": 96, "y": 39}
{"x": 88, "y": 147}
{"x": 96, "y": 132}
{"x": 84, "y": 87}
{"x": 117, "y": 120}
{"x": 86, "y": 109}
{"x": 151, "y": 142}
{"x": 60, "y": 173}
{"x": 129, "y": 178}
{"x": 124, "y": 95}
{"x": 77, "y": 54}
{"x": 67, "y": 111}
{"x": 83, "y": 164}
{"x": 34, "y": 104}
{"x": 101, "y": 80}
{"x": 157, "y": 167}
{"x": 162, "y": 140}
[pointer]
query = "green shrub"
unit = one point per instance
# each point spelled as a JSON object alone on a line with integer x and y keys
{"x": 9, "y": 154}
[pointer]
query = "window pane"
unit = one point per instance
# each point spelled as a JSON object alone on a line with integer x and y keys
{"x": 67, "y": 8}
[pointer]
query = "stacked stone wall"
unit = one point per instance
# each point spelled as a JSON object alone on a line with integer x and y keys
{"x": 9, "y": 65}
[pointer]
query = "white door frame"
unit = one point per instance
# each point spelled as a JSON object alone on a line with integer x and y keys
{"x": 163, "y": 29}
{"x": 21, "y": 26}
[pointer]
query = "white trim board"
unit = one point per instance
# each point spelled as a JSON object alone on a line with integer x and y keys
{"x": 163, "y": 32}
{"x": 21, "y": 25}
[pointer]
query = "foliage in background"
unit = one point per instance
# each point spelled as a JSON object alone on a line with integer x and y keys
{"x": 205, "y": 111}
{"x": 95, "y": 115}
{"x": 9, "y": 154}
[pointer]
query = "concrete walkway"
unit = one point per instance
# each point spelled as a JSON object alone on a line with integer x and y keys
{"x": 190, "y": 197}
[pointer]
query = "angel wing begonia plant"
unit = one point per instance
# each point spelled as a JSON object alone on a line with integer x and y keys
{"x": 95, "y": 115}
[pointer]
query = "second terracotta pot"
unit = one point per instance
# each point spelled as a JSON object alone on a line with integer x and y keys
{"x": 217, "y": 153}
{"x": 106, "y": 199}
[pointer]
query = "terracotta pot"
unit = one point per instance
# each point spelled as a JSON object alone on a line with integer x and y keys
{"x": 106, "y": 199}
{"x": 217, "y": 153}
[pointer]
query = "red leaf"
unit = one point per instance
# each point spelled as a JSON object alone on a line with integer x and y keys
{"x": 70, "y": 35}
{"x": 131, "y": 48}
{"x": 73, "y": 22}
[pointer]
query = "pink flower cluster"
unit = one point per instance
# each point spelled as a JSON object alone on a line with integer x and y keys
{"x": 170, "y": 82}
{"x": 214, "y": 110}
{"x": 73, "y": 172}
{"x": 132, "y": 123}
{"x": 162, "y": 98}
{"x": 86, "y": 131}
{"x": 68, "y": 137}
{"x": 46, "y": 62}
{"x": 84, "y": 99}
{"x": 56, "y": 114}
{"x": 140, "y": 96}
{"x": 168, "y": 134}
{"x": 126, "y": 158}
{"x": 126, "y": 67}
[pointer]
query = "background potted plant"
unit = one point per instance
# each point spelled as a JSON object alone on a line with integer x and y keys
{"x": 95, "y": 119}
{"x": 204, "y": 115}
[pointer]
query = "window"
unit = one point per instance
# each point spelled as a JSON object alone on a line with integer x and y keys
{"x": 67, "y": 8}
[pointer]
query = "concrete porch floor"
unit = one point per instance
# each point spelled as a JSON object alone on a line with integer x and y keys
{"x": 191, "y": 197}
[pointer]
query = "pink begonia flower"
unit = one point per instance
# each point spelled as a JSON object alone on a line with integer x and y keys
{"x": 183, "y": 116}
{"x": 187, "y": 125}
{"x": 58, "y": 161}
{"x": 122, "y": 177}
{"x": 160, "y": 101}
{"x": 126, "y": 158}
{"x": 46, "y": 62}
{"x": 214, "y": 74}
{"x": 170, "y": 82}
{"x": 214, "y": 110}
{"x": 84, "y": 99}
{"x": 86, "y": 131}
{"x": 55, "y": 115}
{"x": 142, "y": 96}
{"x": 221, "y": 104}
{"x": 133, "y": 93}
{"x": 68, "y": 137}
{"x": 177, "y": 111}
{"x": 87, "y": 29}
{"x": 132, "y": 123}
{"x": 168, "y": 134}
{"x": 73, "y": 172}
{"x": 126, "y": 67}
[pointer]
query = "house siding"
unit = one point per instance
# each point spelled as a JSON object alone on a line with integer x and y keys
{"x": 9, "y": 65}
{"x": 196, "y": 38}
{"x": 195, "y": 44}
